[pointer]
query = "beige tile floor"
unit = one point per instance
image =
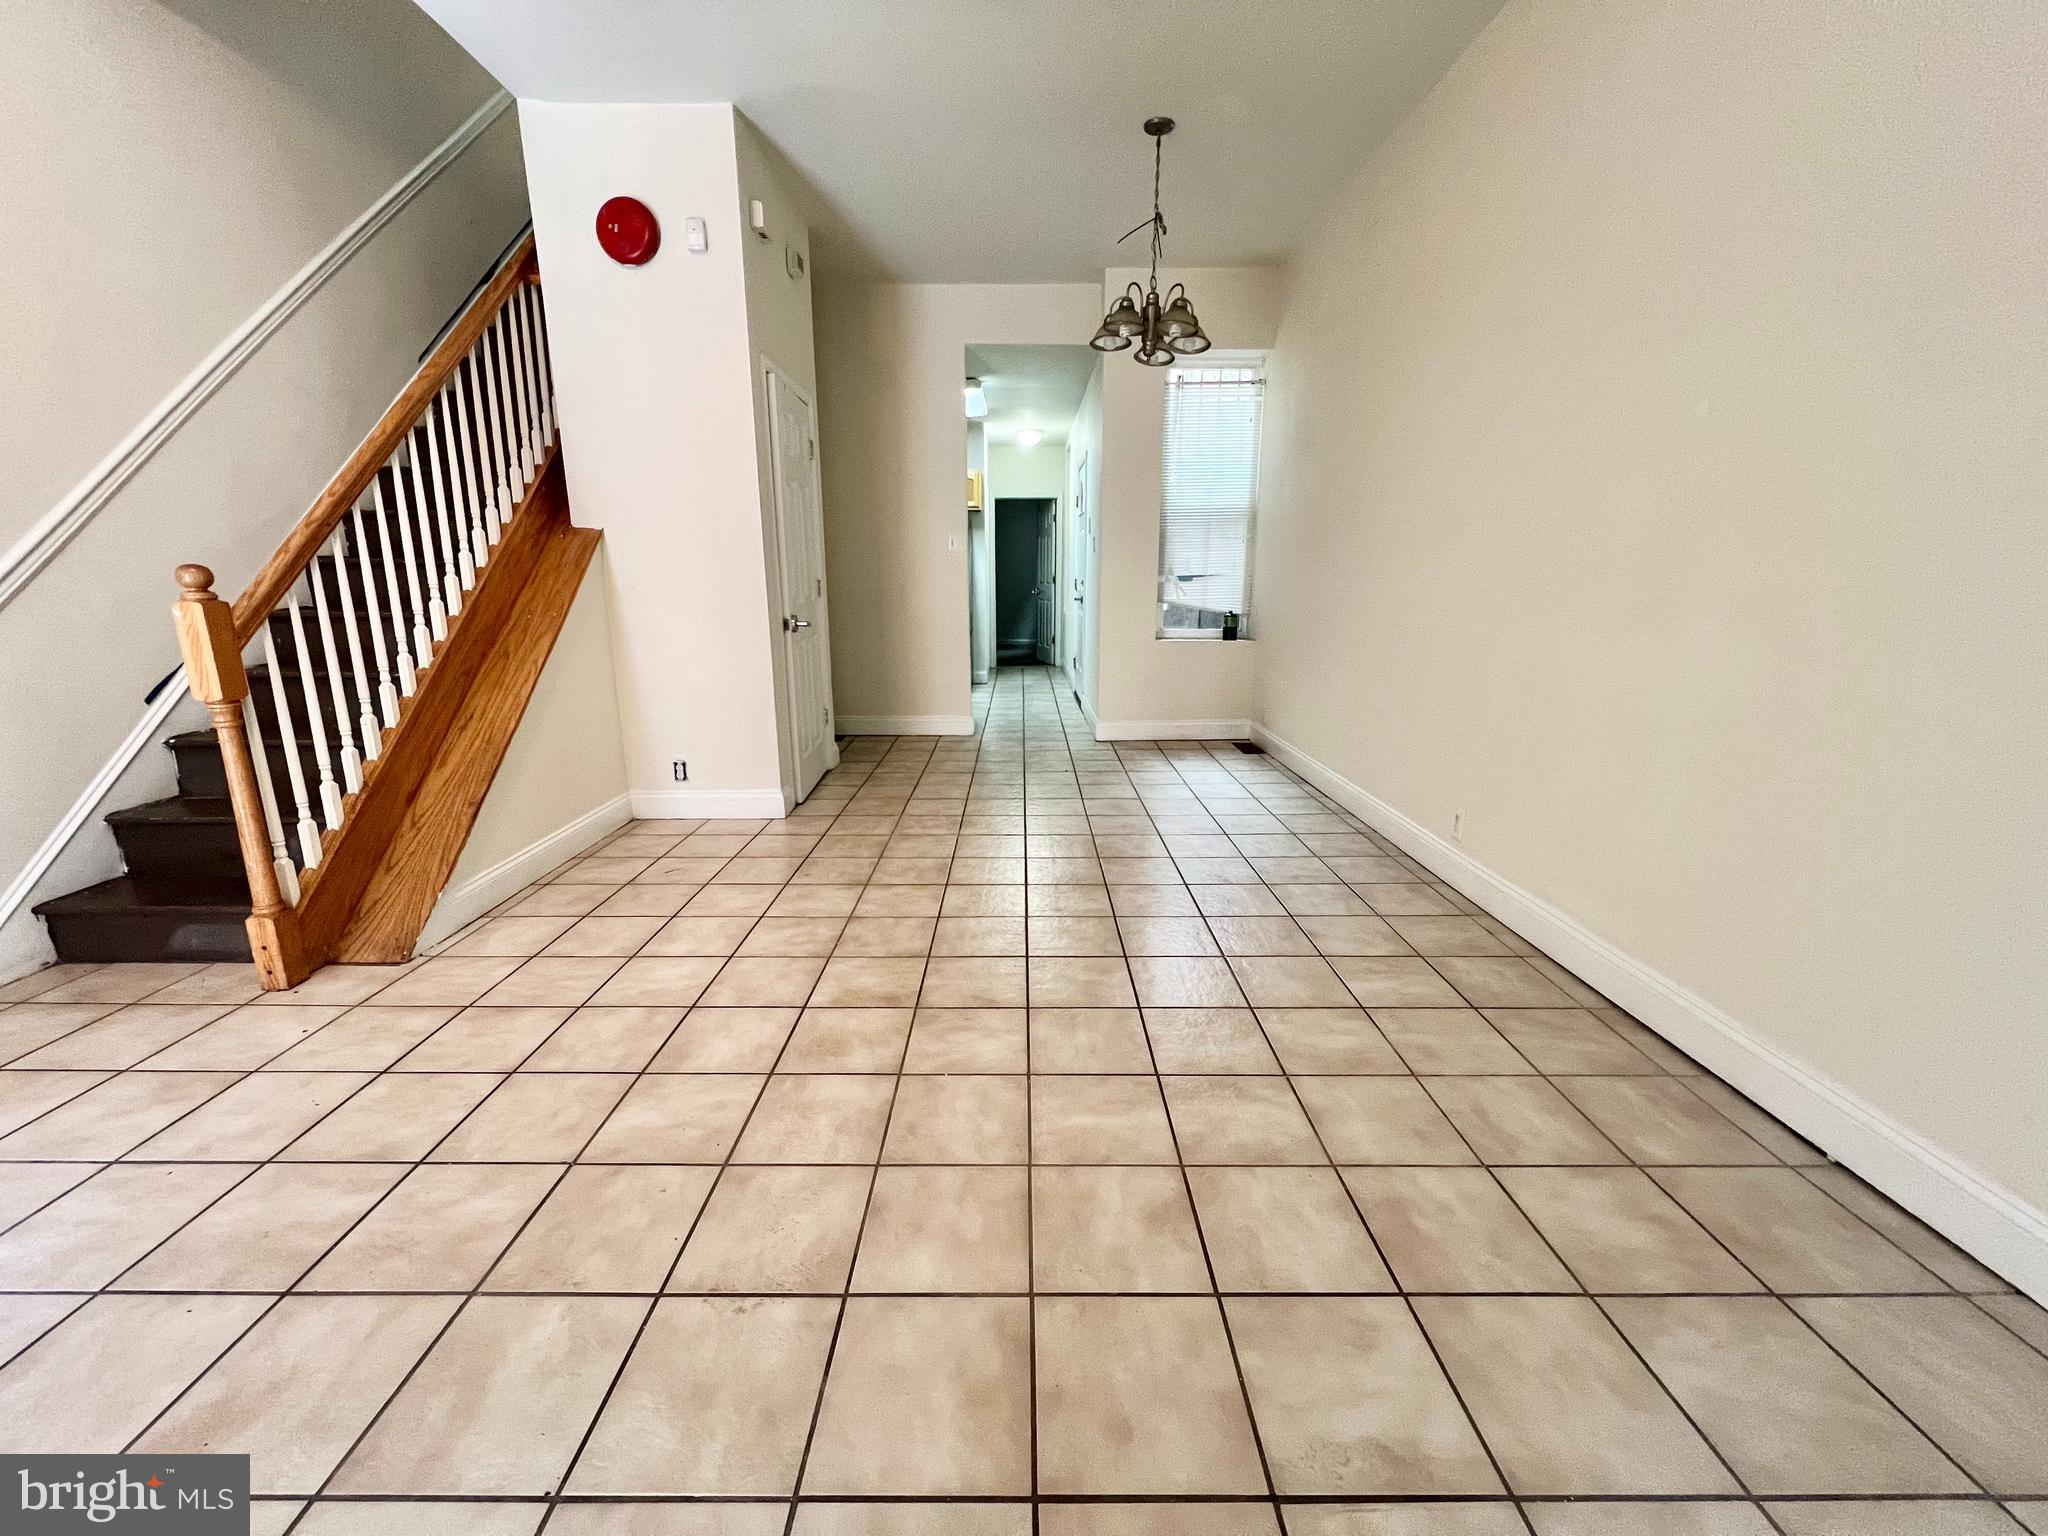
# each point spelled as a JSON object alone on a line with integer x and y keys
{"x": 1027, "y": 1135}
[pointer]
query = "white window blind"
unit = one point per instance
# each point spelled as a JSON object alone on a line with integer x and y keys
{"x": 1211, "y": 495}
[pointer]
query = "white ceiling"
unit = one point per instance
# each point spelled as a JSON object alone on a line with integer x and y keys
{"x": 1031, "y": 386}
{"x": 998, "y": 140}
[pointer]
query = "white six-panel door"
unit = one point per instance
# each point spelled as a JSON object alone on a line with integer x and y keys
{"x": 800, "y": 537}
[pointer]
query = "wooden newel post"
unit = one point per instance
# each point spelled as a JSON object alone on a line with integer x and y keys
{"x": 213, "y": 666}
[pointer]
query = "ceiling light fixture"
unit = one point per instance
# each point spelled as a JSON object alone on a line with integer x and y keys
{"x": 1165, "y": 331}
{"x": 977, "y": 400}
{"x": 1030, "y": 437}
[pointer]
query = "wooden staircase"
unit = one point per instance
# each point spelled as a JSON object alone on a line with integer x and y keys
{"x": 364, "y": 688}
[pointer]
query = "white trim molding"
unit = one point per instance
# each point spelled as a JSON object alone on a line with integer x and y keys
{"x": 1173, "y": 730}
{"x": 461, "y": 905}
{"x": 905, "y": 725}
{"x": 709, "y": 804}
{"x": 1987, "y": 1221}
{"x": 104, "y": 481}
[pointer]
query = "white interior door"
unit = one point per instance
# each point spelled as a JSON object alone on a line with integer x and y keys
{"x": 1048, "y": 589}
{"x": 800, "y": 538}
{"x": 1077, "y": 573}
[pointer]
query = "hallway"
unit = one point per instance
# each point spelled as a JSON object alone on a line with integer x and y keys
{"x": 1027, "y": 1135}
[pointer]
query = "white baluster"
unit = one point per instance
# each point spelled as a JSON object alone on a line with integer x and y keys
{"x": 308, "y": 829}
{"x": 387, "y": 696}
{"x": 508, "y": 417}
{"x": 546, "y": 368}
{"x": 458, "y": 575}
{"x": 408, "y": 674}
{"x": 330, "y": 792}
{"x": 423, "y": 509}
{"x": 273, "y": 824}
{"x": 460, "y": 456}
{"x": 330, "y": 657}
{"x": 480, "y": 445}
{"x": 523, "y": 419}
{"x": 366, "y": 718}
{"x": 488, "y": 424}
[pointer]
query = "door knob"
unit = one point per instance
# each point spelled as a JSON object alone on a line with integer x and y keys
{"x": 792, "y": 623}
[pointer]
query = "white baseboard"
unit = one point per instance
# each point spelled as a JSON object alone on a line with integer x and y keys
{"x": 709, "y": 804}
{"x": 463, "y": 904}
{"x": 1989, "y": 1222}
{"x": 905, "y": 725}
{"x": 1172, "y": 730}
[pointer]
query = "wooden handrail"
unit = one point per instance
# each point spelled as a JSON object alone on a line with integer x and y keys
{"x": 252, "y": 609}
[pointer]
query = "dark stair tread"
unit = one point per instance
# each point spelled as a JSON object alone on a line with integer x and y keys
{"x": 178, "y": 811}
{"x": 126, "y": 894}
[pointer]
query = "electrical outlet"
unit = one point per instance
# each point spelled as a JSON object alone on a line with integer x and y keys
{"x": 682, "y": 771}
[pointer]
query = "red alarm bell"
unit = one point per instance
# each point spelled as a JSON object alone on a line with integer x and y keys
{"x": 627, "y": 230}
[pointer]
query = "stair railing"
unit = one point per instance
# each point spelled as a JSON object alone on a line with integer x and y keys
{"x": 351, "y": 611}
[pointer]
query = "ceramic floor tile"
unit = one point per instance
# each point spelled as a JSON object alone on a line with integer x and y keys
{"x": 1567, "y": 1040}
{"x": 254, "y": 1118}
{"x": 1303, "y": 1361}
{"x": 1140, "y": 1395}
{"x": 1310, "y": 1040}
{"x": 1790, "y": 1234}
{"x": 1395, "y": 982}
{"x": 726, "y": 1040}
{"x": 243, "y": 1040}
{"x": 1975, "y": 1388}
{"x": 365, "y": 1039}
{"x": 1206, "y": 1040}
{"x": 959, "y": 1119}
{"x": 1448, "y": 1041}
{"x": 1380, "y": 1120}
{"x": 1658, "y": 1120}
{"x": 1284, "y": 1229}
{"x": 1623, "y": 1517}
{"x": 1454, "y": 1229}
{"x": 847, "y": 1040}
{"x": 439, "y": 1230}
{"x": 1563, "y": 1402}
{"x": 1089, "y": 1040}
{"x": 946, "y": 1230}
{"x": 496, "y": 1039}
{"x": 716, "y": 1399}
{"x": 676, "y": 1118}
{"x": 500, "y": 1403}
{"x": 1236, "y": 1518}
{"x": 1620, "y": 1233}
{"x": 856, "y": 982}
{"x": 927, "y": 1396}
{"x": 1240, "y": 1120}
{"x": 818, "y": 1119}
{"x": 534, "y": 1118}
{"x": 25, "y": 1095}
{"x": 770, "y": 1230}
{"x": 83, "y": 1239}
{"x": 107, "y": 1121}
{"x": 27, "y": 1187}
{"x": 1114, "y": 1229}
{"x": 605, "y": 1228}
{"x": 605, "y": 1040}
{"x": 396, "y": 1118}
{"x": 985, "y": 1040}
{"x": 292, "y": 1401}
{"x": 1775, "y": 1400}
{"x": 1511, "y": 1120}
{"x": 266, "y": 1232}
{"x": 1920, "y": 1517}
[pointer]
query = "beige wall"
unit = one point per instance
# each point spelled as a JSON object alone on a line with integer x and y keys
{"x": 891, "y": 358}
{"x": 1083, "y": 549}
{"x": 169, "y": 168}
{"x": 1148, "y": 686}
{"x": 562, "y": 784}
{"x": 655, "y": 377}
{"x": 1660, "y": 505}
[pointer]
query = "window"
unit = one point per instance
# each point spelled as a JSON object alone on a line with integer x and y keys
{"x": 1211, "y": 476}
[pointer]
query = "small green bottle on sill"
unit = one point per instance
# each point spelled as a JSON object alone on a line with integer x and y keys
{"x": 1230, "y": 626}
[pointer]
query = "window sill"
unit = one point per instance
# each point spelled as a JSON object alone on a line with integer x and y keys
{"x": 1211, "y": 638}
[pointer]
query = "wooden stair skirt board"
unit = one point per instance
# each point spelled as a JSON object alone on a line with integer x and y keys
{"x": 382, "y": 871}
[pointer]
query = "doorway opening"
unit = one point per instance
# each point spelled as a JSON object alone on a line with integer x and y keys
{"x": 1027, "y": 571}
{"x": 1026, "y": 556}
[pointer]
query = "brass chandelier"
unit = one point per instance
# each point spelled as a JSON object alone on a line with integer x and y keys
{"x": 1161, "y": 331}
